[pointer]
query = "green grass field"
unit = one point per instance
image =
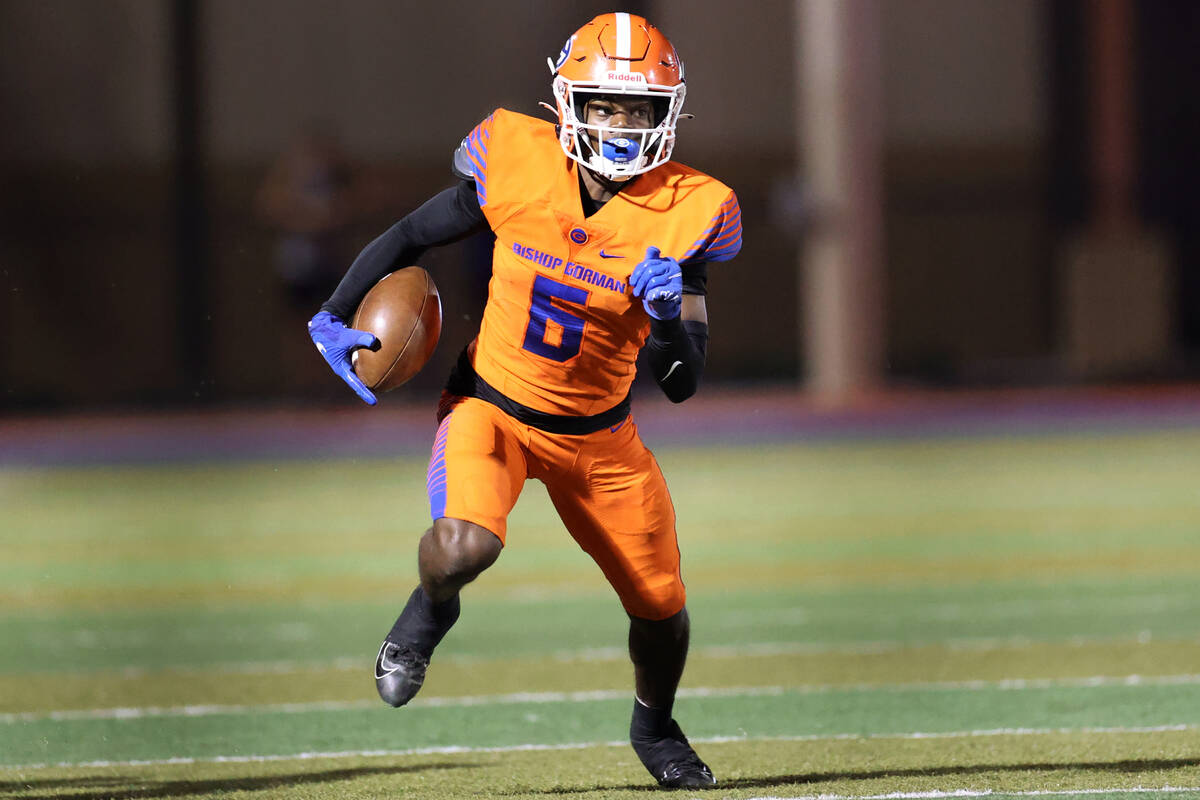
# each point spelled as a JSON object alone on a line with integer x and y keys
{"x": 1013, "y": 616}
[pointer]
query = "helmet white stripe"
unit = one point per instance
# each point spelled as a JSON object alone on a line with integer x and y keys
{"x": 623, "y": 42}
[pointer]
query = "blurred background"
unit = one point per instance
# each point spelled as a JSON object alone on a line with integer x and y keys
{"x": 936, "y": 193}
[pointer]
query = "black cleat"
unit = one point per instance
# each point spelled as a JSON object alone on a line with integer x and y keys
{"x": 406, "y": 650}
{"x": 673, "y": 762}
{"x": 399, "y": 673}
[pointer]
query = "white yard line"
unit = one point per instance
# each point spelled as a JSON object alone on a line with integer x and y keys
{"x": 206, "y": 710}
{"x": 936, "y": 795}
{"x": 455, "y": 749}
{"x": 602, "y": 654}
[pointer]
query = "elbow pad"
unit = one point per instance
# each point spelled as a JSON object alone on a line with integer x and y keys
{"x": 675, "y": 352}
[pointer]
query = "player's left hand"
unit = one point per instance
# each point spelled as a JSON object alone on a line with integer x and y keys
{"x": 659, "y": 282}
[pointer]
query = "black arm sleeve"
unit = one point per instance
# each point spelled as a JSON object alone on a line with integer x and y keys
{"x": 446, "y": 217}
{"x": 695, "y": 278}
{"x": 675, "y": 352}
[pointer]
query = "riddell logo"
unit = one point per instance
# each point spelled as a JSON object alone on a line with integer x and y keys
{"x": 631, "y": 77}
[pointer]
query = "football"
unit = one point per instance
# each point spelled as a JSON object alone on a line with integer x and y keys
{"x": 404, "y": 312}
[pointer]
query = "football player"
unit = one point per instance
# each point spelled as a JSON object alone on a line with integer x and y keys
{"x": 601, "y": 247}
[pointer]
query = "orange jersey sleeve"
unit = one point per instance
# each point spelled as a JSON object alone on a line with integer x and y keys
{"x": 471, "y": 158}
{"x": 561, "y": 331}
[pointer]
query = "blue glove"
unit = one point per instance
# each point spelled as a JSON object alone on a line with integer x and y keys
{"x": 335, "y": 342}
{"x": 659, "y": 282}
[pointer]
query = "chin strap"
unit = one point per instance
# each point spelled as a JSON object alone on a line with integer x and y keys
{"x": 596, "y": 160}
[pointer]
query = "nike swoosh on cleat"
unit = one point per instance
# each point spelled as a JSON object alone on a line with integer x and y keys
{"x": 381, "y": 661}
{"x": 609, "y": 255}
{"x": 672, "y": 369}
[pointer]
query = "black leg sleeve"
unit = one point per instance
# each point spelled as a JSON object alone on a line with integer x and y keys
{"x": 675, "y": 353}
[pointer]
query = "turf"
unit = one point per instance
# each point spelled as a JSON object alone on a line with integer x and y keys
{"x": 1002, "y": 613}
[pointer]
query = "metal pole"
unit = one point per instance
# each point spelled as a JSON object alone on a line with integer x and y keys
{"x": 190, "y": 207}
{"x": 1113, "y": 146}
{"x": 840, "y": 142}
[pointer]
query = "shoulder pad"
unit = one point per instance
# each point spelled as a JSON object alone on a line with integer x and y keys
{"x": 462, "y": 166}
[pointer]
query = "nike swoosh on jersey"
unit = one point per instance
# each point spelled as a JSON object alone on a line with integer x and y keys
{"x": 672, "y": 369}
{"x": 609, "y": 255}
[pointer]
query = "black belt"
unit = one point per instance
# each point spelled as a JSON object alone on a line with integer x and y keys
{"x": 466, "y": 381}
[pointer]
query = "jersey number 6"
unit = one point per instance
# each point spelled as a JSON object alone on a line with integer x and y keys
{"x": 542, "y": 310}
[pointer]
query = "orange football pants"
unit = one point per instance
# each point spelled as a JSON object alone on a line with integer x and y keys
{"x": 606, "y": 486}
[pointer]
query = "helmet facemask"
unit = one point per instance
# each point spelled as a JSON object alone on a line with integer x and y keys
{"x": 616, "y": 153}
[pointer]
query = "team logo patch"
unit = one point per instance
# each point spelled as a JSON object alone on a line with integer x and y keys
{"x": 578, "y": 235}
{"x": 562, "y": 55}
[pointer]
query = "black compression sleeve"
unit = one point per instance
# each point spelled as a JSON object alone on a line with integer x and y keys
{"x": 675, "y": 352}
{"x": 446, "y": 217}
{"x": 695, "y": 278}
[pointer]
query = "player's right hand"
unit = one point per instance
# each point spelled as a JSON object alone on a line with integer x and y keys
{"x": 335, "y": 342}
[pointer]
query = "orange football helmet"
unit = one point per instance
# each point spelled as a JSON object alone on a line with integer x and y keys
{"x": 617, "y": 54}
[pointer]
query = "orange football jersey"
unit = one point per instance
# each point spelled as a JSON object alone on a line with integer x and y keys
{"x": 561, "y": 330}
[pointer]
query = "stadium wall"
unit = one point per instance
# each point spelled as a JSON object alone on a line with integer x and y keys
{"x": 87, "y": 248}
